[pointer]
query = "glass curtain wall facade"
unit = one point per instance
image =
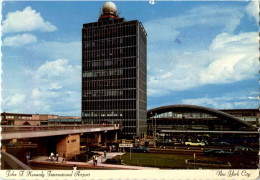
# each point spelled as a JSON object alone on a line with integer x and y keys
{"x": 114, "y": 75}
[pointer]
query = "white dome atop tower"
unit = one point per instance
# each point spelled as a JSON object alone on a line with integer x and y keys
{"x": 110, "y": 8}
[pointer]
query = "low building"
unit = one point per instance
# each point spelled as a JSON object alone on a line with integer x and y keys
{"x": 19, "y": 119}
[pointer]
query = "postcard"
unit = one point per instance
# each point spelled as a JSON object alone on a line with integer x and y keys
{"x": 130, "y": 90}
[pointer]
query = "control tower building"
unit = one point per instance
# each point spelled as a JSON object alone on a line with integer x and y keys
{"x": 114, "y": 72}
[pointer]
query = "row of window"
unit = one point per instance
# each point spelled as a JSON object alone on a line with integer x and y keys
{"x": 110, "y": 72}
{"x": 9, "y": 117}
{"x": 109, "y": 53}
{"x": 108, "y": 43}
{"x": 19, "y": 117}
{"x": 126, "y": 73}
{"x": 110, "y": 63}
{"x": 109, "y": 104}
{"x": 109, "y": 84}
{"x": 184, "y": 115}
{"x": 252, "y": 119}
{"x": 96, "y": 115}
{"x": 109, "y": 32}
{"x": 103, "y": 93}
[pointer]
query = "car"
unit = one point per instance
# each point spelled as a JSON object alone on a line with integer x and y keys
{"x": 221, "y": 143}
{"x": 218, "y": 153}
{"x": 11, "y": 144}
{"x": 192, "y": 143}
{"x": 139, "y": 149}
{"x": 244, "y": 150}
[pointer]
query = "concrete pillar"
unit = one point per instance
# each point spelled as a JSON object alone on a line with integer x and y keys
{"x": 99, "y": 138}
{"x": 3, "y": 148}
{"x": 104, "y": 141}
{"x": 115, "y": 137}
{"x": 69, "y": 145}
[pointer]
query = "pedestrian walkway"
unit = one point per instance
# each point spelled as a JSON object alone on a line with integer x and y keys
{"x": 100, "y": 163}
{"x": 101, "y": 158}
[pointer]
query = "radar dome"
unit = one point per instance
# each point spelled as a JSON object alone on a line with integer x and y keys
{"x": 109, "y": 8}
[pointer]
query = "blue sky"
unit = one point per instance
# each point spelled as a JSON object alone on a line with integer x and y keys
{"x": 202, "y": 53}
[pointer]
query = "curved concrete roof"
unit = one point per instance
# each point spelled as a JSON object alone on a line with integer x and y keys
{"x": 214, "y": 112}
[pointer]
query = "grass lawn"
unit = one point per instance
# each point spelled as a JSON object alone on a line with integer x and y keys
{"x": 177, "y": 161}
{"x": 173, "y": 161}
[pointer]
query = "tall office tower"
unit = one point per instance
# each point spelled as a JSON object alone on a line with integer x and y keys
{"x": 114, "y": 72}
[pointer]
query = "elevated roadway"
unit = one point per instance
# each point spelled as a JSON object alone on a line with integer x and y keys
{"x": 19, "y": 132}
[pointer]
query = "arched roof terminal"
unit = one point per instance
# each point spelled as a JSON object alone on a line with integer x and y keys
{"x": 234, "y": 122}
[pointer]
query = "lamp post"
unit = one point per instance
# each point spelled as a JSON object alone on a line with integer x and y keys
{"x": 155, "y": 128}
{"x": 221, "y": 131}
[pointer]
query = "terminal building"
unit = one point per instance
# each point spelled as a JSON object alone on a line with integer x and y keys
{"x": 251, "y": 116}
{"x": 114, "y": 68}
{"x": 189, "y": 122}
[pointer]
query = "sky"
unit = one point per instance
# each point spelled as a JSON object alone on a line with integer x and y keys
{"x": 200, "y": 53}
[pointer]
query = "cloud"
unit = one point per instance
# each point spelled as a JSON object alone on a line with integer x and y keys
{"x": 253, "y": 10}
{"x": 26, "y": 20}
{"x": 195, "y": 61}
{"x": 56, "y": 71}
{"x": 219, "y": 102}
{"x": 235, "y": 59}
{"x": 254, "y": 98}
{"x": 14, "y": 101}
{"x": 230, "y": 58}
{"x": 224, "y": 102}
{"x": 54, "y": 88}
{"x": 19, "y": 40}
{"x": 167, "y": 29}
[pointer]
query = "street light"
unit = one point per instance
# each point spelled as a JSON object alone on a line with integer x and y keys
{"x": 153, "y": 130}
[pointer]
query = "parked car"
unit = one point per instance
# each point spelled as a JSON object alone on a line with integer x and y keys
{"x": 218, "y": 153}
{"x": 139, "y": 149}
{"x": 193, "y": 143}
{"x": 245, "y": 150}
{"x": 221, "y": 143}
{"x": 11, "y": 145}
